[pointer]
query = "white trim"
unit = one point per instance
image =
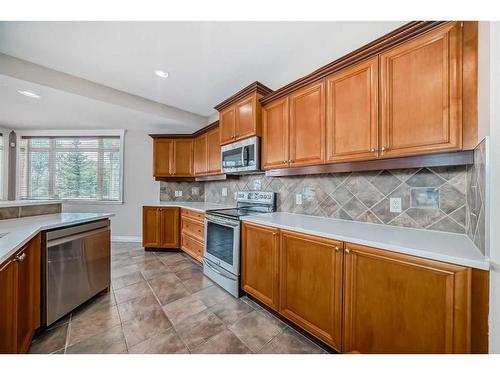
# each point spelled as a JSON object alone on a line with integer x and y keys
{"x": 5, "y": 164}
{"x": 126, "y": 239}
{"x": 75, "y": 133}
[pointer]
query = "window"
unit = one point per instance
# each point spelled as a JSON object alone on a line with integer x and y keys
{"x": 71, "y": 168}
{"x": 1, "y": 166}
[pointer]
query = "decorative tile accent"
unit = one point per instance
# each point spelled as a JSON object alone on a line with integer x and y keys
{"x": 424, "y": 197}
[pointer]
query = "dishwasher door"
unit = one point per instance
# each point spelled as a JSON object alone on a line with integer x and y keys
{"x": 78, "y": 267}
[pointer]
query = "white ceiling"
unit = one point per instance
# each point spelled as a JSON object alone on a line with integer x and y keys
{"x": 207, "y": 61}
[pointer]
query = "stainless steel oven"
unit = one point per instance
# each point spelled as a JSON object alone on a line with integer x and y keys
{"x": 241, "y": 157}
{"x": 222, "y": 251}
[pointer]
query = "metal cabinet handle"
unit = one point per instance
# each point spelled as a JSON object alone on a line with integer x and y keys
{"x": 337, "y": 249}
{"x": 382, "y": 149}
{"x": 347, "y": 251}
{"x": 275, "y": 234}
{"x": 20, "y": 258}
{"x": 372, "y": 150}
{"x": 284, "y": 161}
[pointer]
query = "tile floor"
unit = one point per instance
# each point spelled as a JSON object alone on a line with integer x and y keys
{"x": 162, "y": 303}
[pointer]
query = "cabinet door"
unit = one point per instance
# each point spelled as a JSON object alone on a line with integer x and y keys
{"x": 307, "y": 126}
{"x": 213, "y": 144}
{"x": 311, "y": 285}
{"x": 162, "y": 156}
{"x": 352, "y": 113}
{"x": 182, "y": 160}
{"x": 151, "y": 227}
{"x": 227, "y": 125}
{"x": 246, "y": 117}
{"x": 260, "y": 263}
{"x": 8, "y": 307}
{"x": 396, "y": 303}
{"x": 200, "y": 155}
{"x": 421, "y": 94}
{"x": 169, "y": 227}
{"x": 28, "y": 287}
{"x": 275, "y": 117}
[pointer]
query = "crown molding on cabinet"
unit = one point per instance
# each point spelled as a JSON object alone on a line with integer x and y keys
{"x": 206, "y": 129}
{"x": 255, "y": 87}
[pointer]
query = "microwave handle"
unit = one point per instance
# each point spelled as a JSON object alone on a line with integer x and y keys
{"x": 243, "y": 163}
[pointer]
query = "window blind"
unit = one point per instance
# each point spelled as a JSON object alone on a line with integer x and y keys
{"x": 72, "y": 168}
{"x": 1, "y": 166}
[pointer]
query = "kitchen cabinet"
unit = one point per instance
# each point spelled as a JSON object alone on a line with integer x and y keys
{"x": 162, "y": 156}
{"x": 240, "y": 116}
{"x": 352, "y": 113}
{"x": 200, "y": 155}
{"x": 20, "y": 298}
{"x": 173, "y": 157}
{"x": 307, "y": 126}
{"x": 160, "y": 227}
{"x": 396, "y": 303}
{"x": 260, "y": 263}
{"x": 275, "y": 141}
{"x": 311, "y": 285}
{"x": 213, "y": 152}
{"x": 182, "y": 159}
{"x": 421, "y": 88}
{"x": 241, "y": 120}
{"x": 193, "y": 233}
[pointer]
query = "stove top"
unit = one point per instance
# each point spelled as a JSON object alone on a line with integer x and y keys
{"x": 248, "y": 202}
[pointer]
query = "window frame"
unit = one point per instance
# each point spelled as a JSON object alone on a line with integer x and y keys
{"x": 73, "y": 133}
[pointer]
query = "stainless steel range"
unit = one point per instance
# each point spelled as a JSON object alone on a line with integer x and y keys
{"x": 221, "y": 261}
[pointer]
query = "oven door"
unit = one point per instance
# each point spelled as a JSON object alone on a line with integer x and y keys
{"x": 222, "y": 243}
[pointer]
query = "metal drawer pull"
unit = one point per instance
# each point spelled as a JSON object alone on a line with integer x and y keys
{"x": 347, "y": 251}
{"x": 20, "y": 258}
{"x": 337, "y": 249}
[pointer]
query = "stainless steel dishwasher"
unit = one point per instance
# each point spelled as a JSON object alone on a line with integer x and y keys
{"x": 77, "y": 267}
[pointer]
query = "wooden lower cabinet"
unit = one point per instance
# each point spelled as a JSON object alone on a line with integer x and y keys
{"x": 20, "y": 298}
{"x": 395, "y": 303}
{"x": 160, "y": 227}
{"x": 365, "y": 300}
{"x": 193, "y": 233}
{"x": 260, "y": 262}
{"x": 311, "y": 285}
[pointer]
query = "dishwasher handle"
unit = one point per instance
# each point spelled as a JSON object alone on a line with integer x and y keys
{"x": 62, "y": 240}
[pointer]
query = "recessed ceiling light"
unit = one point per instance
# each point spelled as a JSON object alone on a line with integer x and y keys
{"x": 161, "y": 73}
{"x": 29, "y": 94}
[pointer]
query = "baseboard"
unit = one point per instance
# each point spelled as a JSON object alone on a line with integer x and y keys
{"x": 126, "y": 239}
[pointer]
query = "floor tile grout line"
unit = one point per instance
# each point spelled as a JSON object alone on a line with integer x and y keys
{"x": 68, "y": 331}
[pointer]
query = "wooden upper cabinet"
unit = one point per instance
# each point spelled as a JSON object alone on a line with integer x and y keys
{"x": 307, "y": 125}
{"x": 227, "y": 125}
{"x": 352, "y": 113}
{"x": 169, "y": 227}
{"x": 421, "y": 99}
{"x": 182, "y": 157}
{"x": 28, "y": 291}
{"x": 200, "y": 155}
{"x": 248, "y": 117}
{"x": 311, "y": 285}
{"x": 275, "y": 142}
{"x": 213, "y": 152}
{"x": 8, "y": 307}
{"x": 260, "y": 263}
{"x": 162, "y": 155}
{"x": 396, "y": 303}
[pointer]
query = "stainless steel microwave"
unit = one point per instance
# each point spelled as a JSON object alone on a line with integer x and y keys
{"x": 241, "y": 157}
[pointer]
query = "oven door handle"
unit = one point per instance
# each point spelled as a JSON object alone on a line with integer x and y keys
{"x": 207, "y": 263}
{"x": 223, "y": 222}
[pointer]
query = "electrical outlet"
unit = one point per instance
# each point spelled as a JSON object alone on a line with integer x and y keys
{"x": 298, "y": 198}
{"x": 224, "y": 192}
{"x": 195, "y": 190}
{"x": 257, "y": 184}
{"x": 395, "y": 204}
{"x": 178, "y": 193}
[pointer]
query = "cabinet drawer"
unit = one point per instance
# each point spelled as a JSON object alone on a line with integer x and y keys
{"x": 195, "y": 215}
{"x": 192, "y": 246}
{"x": 193, "y": 228}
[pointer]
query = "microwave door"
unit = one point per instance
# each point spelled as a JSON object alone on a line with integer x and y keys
{"x": 232, "y": 158}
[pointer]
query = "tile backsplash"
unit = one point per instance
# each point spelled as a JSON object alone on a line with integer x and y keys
{"x": 431, "y": 198}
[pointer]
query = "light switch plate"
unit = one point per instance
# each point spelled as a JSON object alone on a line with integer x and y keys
{"x": 298, "y": 198}
{"x": 178, "y": 193}
{"x": 395, "y": 204}
{"x": 195, "y": 190}
{"x": 224, "y": 192}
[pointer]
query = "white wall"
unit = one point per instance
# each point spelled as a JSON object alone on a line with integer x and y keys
{"x": 489, "y": 124}
{"x": 139, "y": 187}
